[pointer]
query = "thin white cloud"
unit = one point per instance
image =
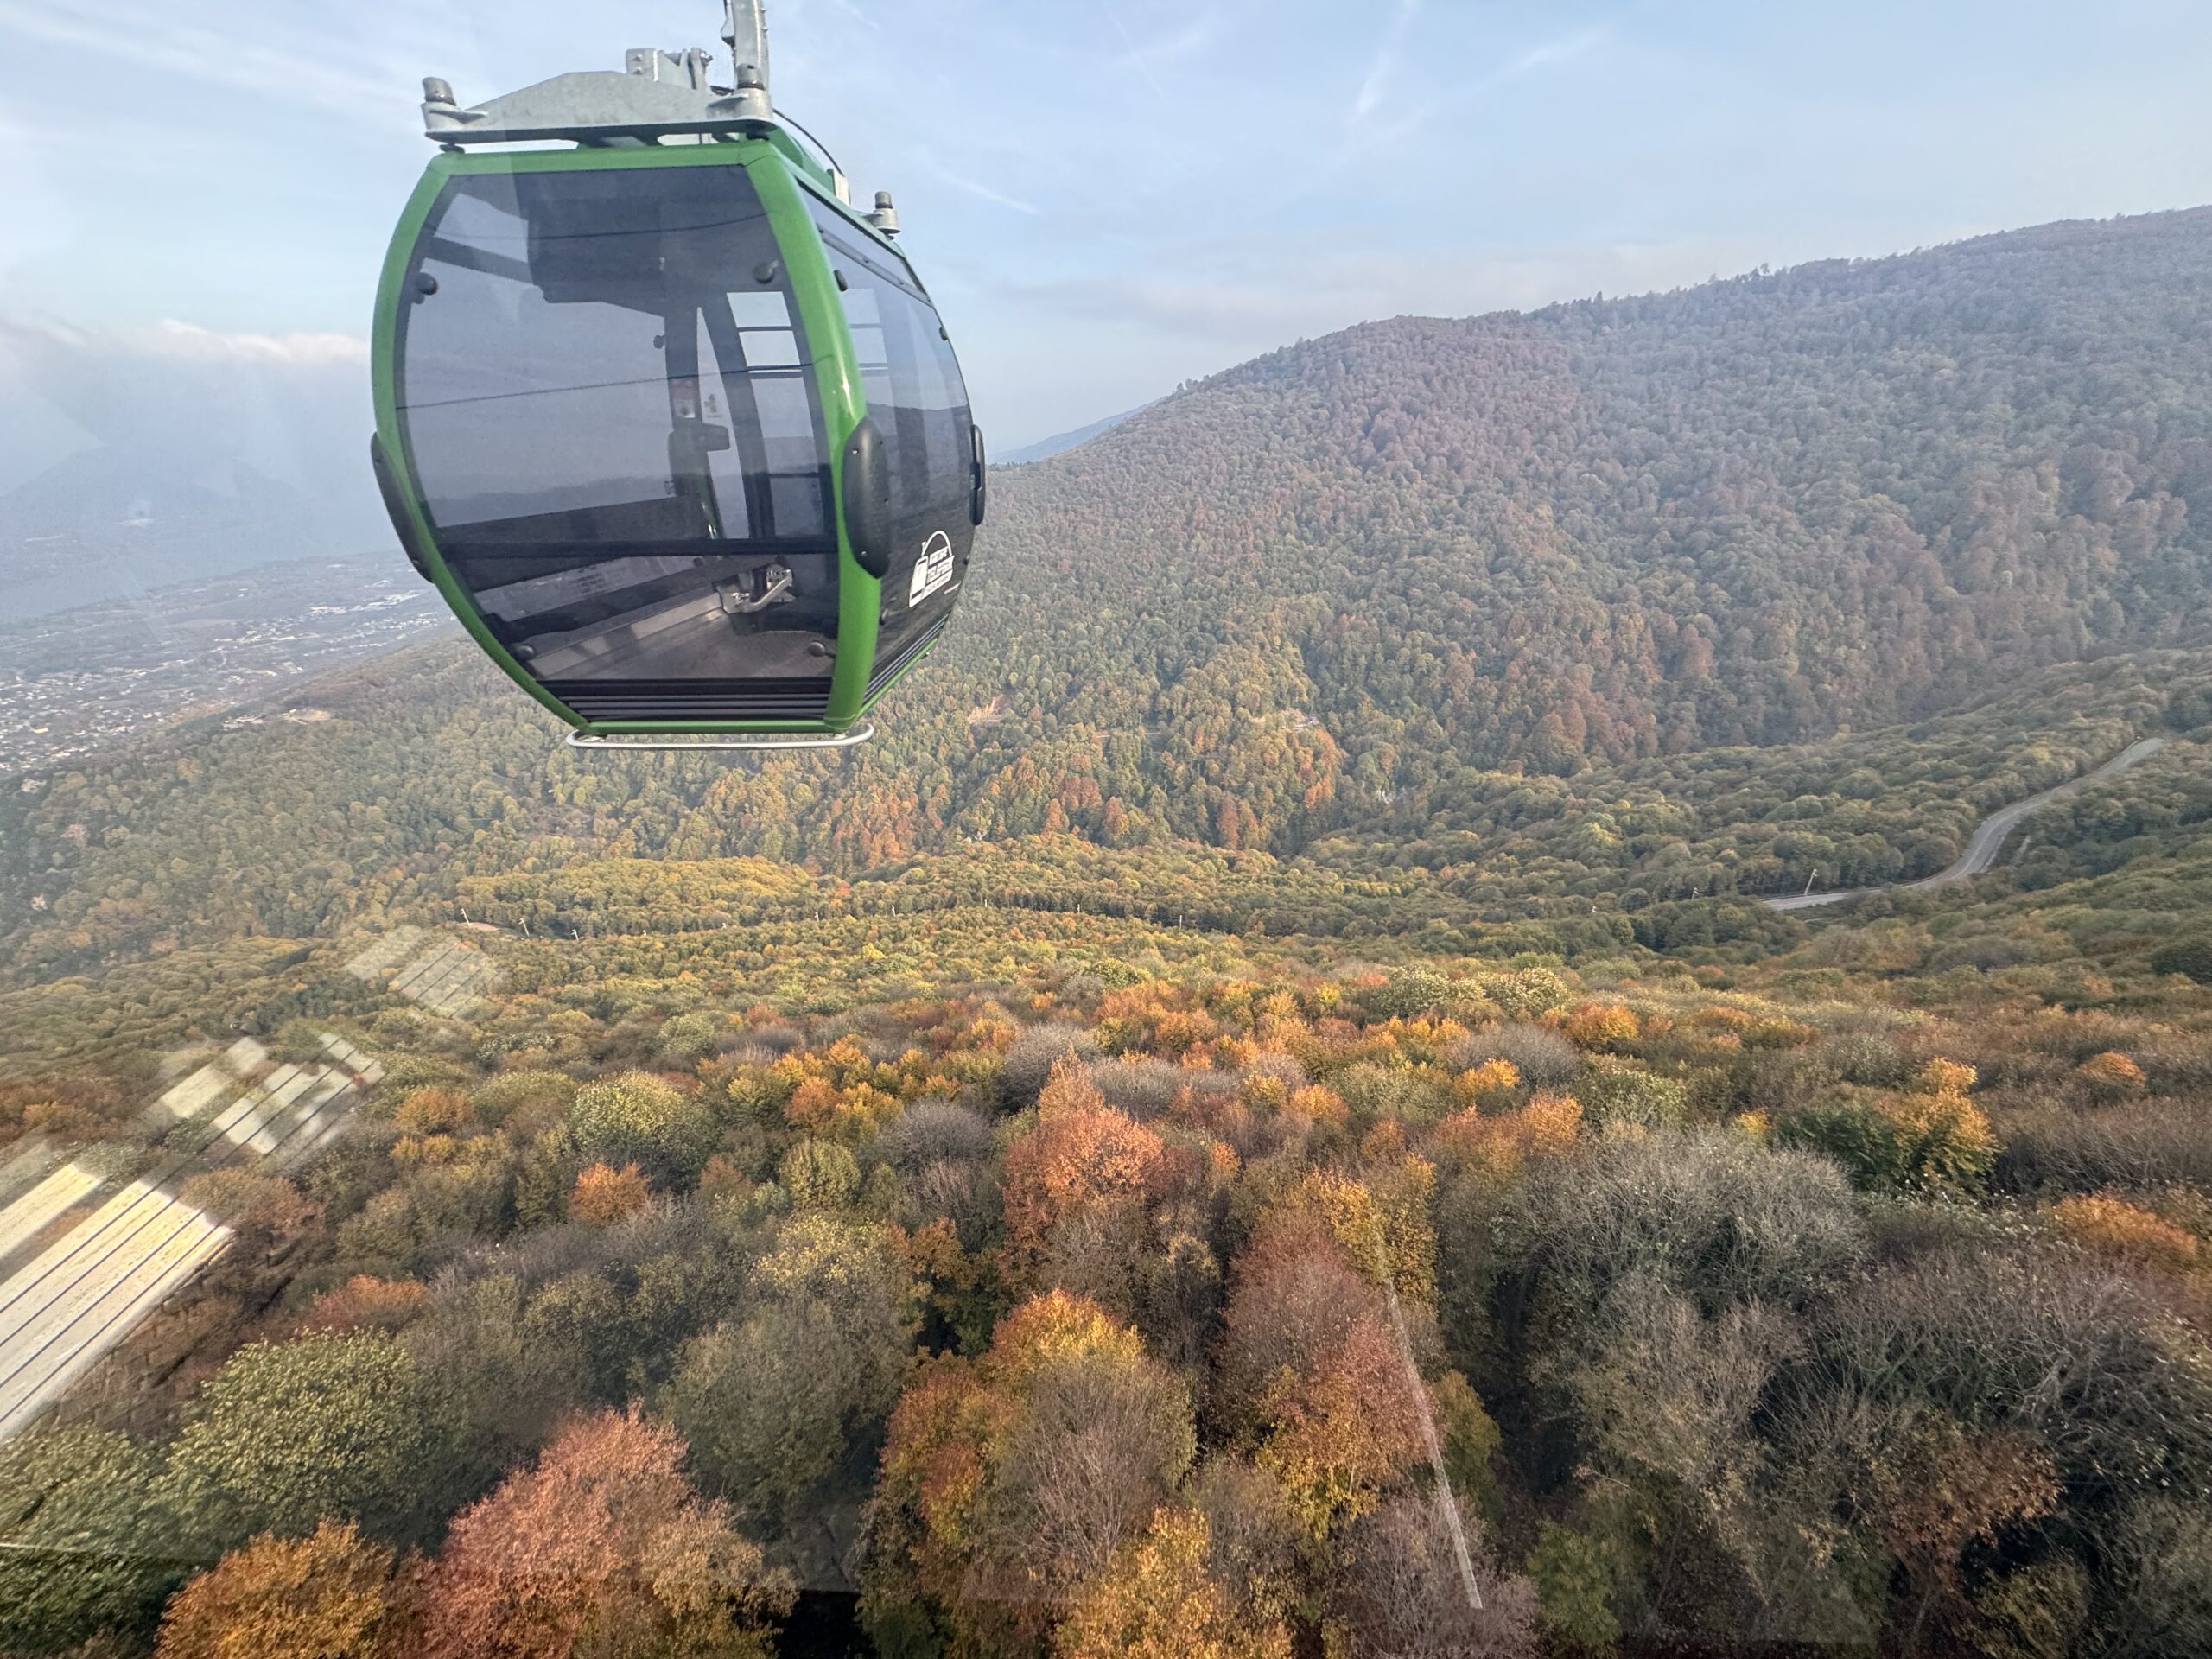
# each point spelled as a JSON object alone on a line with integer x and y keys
{"x": 1115, "y": 341}
{"x": 171, "y": 403}
{"x": 1239, "y": 298}
{"x": 1136, "y": 52}
{"x": 982, "y": 192}
{"x": 364, "y": 80}
{"x": 1372, "y": 137}
{"x": 853, "y": 12}
{"x": 170, "y": 338}
{"x": 1188, "y": 42}
{"x": 61, "y": 353}
{"x": 1384, "y": 63}
{"x": 1565, "y": 49}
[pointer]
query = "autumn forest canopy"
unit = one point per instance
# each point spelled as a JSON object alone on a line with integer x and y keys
{"x": 1274, "y": 1070}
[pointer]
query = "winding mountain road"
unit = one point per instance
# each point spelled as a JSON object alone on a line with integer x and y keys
{"x": 1988, "y": 835}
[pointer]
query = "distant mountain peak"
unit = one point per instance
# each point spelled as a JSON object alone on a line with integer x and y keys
{"x": 1060, "y": 443}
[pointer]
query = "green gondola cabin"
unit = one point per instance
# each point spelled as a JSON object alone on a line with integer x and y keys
{"x": 675, "y": 429}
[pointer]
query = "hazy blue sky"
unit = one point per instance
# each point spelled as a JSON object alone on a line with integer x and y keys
{"x": 1114, "y": 195}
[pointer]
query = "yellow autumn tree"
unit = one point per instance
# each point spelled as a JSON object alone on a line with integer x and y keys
{"x": 1156, "y": 1600}
{"x": 1930, "y": 1137}
{"x": 1009, "y": 1481}
{"x": 1600, "y": 1026}
{"x": 1491, "y": 1077}
{"x": 331, "y": 1595}
{"x": 1382, "y": 1222}
{"x": 1945, "y": 1140}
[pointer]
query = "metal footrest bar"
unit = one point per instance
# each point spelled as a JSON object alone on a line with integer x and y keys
{"x": 851, "y": 740}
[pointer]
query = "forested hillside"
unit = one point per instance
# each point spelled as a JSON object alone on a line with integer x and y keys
{"x": 428, "y": 787}
{"x": 1758, "y": 511}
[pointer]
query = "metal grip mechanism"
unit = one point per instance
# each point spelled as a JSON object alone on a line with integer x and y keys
{"x": 745, "y": 31}
{"x": 657, "y": 95}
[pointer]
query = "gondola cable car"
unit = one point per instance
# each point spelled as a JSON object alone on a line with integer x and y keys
{"x": 674, "y": 428}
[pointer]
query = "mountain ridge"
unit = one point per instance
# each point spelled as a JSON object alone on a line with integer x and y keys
{"x": 1060, "y": 442}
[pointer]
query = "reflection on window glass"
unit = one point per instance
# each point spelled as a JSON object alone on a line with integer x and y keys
{"x": 609, "y": 404}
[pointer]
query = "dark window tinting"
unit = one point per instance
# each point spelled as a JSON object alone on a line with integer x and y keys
{"x": 610, "y": 405}
{"x": 914, "y": 391}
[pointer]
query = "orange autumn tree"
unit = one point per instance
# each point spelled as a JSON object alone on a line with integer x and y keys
{"x": 365, "y": 1302}
{"x": 1312, "y": 1374}
{"x": 1153, "y": 1018}
{"x": 1600, "y": 1026}
{"x": 1010, "y": 1481}
{"x": 1082, "y": 1158}
{"x": 432, "y": 1111}
{"x": 1342, "y": 1433}
{"x": 604, "y": 1543}
{"x": 841, "y": 1093}
{"x": 1547, "y": 1126}
{"x": 331, "y": 1595}
{"x": 604, "y": 1195}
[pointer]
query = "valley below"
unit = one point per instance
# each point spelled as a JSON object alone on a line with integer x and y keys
{"x": 88, "y": 678}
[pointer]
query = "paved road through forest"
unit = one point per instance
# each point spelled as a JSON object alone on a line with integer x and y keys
{"x": 1989, "y": 835}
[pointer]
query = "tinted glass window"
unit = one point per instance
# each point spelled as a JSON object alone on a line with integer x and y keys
{"x": 914, "y": 391}
{"x": 609, "y": 404}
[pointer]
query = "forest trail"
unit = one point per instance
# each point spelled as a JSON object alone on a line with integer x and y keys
{"x": 1989, "y": 835}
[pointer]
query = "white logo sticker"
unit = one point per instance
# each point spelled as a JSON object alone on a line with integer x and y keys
{"x": 932, "y": 570}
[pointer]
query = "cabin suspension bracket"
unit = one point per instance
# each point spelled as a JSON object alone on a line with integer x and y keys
{"x": 656, "y": 95}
